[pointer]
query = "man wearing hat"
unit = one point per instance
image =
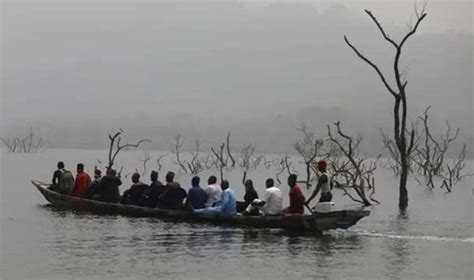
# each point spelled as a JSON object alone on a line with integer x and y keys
{"x": 324, "y": 184}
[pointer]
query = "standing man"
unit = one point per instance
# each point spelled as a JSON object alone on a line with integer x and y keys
{"x": 82, "y": 183}
{"x": 324, "y": 184}
{"x": 296, "y": 197}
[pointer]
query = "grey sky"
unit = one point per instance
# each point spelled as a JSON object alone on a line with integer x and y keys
{"x": 78, "y": 68}
{"x": 445, "y": 15}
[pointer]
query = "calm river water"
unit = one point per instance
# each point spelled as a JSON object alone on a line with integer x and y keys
{"x": 433, "y": 240}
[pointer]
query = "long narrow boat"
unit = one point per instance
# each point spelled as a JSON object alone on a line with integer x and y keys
{"x": 317, "y": 222}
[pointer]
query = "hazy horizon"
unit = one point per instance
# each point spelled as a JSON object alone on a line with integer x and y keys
{"x": 76, "y": 70}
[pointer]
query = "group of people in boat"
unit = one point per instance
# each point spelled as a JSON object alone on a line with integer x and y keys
{"x": 213, "y": 198}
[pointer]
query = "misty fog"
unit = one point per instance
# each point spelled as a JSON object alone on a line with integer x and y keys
{"x": 77, "y": 70}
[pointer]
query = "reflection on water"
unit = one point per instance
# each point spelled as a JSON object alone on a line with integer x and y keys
{"x": 432, "y": 240}
{"x": 399, "y": 251}
{"x": 121, "y": 247}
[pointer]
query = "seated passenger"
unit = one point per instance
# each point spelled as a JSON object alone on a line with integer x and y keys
{"x": 196, "y": 195}
{"x": 137, "y": 192}
{"x": 94, "y": 189}
{"x": 213, "y": 191}
{"x": 296, "y": 197}
{"x": 173, "y": 198}
{"x": 226, "y": 204}
{"x": 109, "y": 187}
{"x": 155, "y": 190}
{"x": 250, "y": 195}
{"x": 272, "y": 202}
{"x": 63, "y": 180}
{"x": 169, "y": 178}
{"x": 82, "y": 183}
{"x": 57, "y": 176}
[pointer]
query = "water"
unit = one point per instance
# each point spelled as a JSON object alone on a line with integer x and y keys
{"x": 433, "y": 240}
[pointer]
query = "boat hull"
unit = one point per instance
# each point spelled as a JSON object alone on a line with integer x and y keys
{"x": 318, "y": 222}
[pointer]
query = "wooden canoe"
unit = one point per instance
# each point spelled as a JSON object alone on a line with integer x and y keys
{"x": 318, "y": 222}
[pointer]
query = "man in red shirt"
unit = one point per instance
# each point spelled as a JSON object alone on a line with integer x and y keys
{"x": 83, "y": 181}
{"x": 296, "y": 197}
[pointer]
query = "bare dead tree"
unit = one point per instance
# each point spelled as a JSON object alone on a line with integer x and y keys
{"x": 309, "y": 148}
{"x": 178, "y": 145}
{"x": 229, "y": 152}
{"x": 221, "y": 159}
{"x": 248, "y": 160}
{"x": 282, "y": 165}
{"x": 146, "y": 158}
{"x": 196, "y": 164}
{"x": 158, "y": 162}
{"x": 393, "y": 162}
{"x": 433, "y": 152}
{"x": 454, "y": 172}
{"x": 430, "y": 157}
{"x": 353, "y": 170}
{"x": 24, "y": 144}
{"x": 209, "y": 161}
{"x": 403, "y": 140}
{"x": 268, "y": 163}
{"x": 115, "y": 144}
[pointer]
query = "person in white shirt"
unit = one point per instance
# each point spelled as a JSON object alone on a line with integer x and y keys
{"x": 272, "y": 202}
{"x": 213, "y": 191}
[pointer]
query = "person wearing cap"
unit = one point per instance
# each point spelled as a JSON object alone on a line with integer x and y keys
{"x": 94, "y": 188}
{"x": 324, "y": 184}
{"x": 82, "y": 182}
{"x": 136, "y": 195}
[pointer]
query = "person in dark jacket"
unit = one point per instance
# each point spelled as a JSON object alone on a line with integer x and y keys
{"x": 197, "y": 197}
{"x": 94, "y": 189}
{"x": 250, "y": 195}
{"x": 57, "y": 177}
{"x": 109, "y": 187}
{"x": 169, "y": 178}
{"x": 57, "y": 173}
{"x": 173, "y": 198}
{"x": 155, "y": 190}
{"x": 137, "y": 192}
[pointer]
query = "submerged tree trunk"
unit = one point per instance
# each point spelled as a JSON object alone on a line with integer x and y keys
{"x": 403, "y": 195}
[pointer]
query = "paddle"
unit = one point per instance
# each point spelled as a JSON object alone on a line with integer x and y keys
{"x": 309, "y": 208}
